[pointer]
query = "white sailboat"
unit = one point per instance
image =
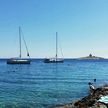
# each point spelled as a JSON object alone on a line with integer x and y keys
{"x": 20, "y": 60}
{"x": 55, "y": 59}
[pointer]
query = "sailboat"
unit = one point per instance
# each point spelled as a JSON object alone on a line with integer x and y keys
{"x": 55, "y": 59}
{"x": 20, "y": 60}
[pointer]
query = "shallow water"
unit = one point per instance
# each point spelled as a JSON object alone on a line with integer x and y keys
{"x": 41, "y": 85}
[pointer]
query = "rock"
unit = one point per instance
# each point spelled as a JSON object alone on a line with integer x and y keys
{"x": 90, "y": 101}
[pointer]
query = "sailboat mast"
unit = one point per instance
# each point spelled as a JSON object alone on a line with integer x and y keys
{"x": 56, "y": 45}
{"x": 20, "y": 40}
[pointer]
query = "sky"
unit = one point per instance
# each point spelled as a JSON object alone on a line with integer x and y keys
{"x": 82, "y": 27}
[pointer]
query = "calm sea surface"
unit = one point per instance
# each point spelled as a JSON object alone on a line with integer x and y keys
{"x": 41, "y": 85}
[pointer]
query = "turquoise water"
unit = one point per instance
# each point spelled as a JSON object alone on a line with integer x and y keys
{"x": 41, "y": 85}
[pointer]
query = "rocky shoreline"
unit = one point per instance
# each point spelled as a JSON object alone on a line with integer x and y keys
{"x": 90, "y": 101}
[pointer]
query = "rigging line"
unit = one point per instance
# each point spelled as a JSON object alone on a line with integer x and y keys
{"x": 25, "y": 44}
{"x": 20, "y": 41}
{"x": 61, "y": 49}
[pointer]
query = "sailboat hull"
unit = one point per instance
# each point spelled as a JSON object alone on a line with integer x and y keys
{"x": 19, "y": 61}
{"x": 53, "y": 61}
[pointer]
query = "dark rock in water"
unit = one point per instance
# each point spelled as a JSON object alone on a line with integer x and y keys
{"x": 90, "y": 101}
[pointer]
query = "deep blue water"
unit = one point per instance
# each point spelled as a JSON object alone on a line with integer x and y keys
{"x": 41, "y": 85}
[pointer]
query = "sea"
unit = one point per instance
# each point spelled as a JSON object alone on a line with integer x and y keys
{"x": 45, "y": 85}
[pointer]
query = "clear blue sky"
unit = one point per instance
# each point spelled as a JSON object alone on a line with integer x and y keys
{"x": 82, "y": 27}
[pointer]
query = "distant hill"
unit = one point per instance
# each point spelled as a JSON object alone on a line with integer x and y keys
{"x": 90, "y": 57}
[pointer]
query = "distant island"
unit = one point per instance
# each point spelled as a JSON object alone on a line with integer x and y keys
{"x": 90, "y": 57}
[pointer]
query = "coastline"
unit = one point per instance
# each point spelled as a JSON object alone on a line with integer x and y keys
{"x": 92, "y": 100}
